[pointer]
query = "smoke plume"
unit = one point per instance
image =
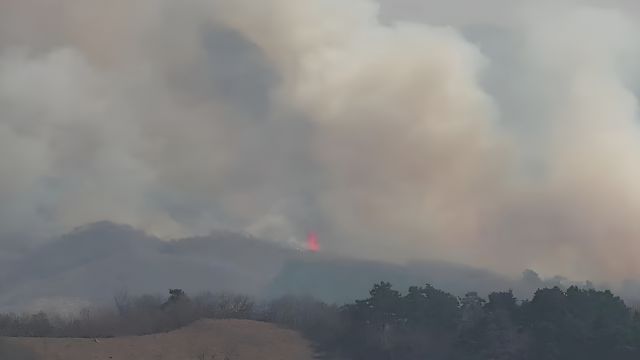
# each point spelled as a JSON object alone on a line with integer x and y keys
{"x": 394, "y": 130}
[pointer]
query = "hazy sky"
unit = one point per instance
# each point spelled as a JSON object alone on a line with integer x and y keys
{"x": 496, "y": 133}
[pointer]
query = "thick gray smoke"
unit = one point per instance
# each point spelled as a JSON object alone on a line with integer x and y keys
{"x": 397, "y": 130}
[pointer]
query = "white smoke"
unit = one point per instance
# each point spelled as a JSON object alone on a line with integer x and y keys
{"x": 283, "y": 116}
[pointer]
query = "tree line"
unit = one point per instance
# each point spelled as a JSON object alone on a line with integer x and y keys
{"x": 427, "y": 323}
{"x": 421, "y": 323}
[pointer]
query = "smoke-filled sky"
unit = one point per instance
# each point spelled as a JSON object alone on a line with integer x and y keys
{"x": 496, "y": 133}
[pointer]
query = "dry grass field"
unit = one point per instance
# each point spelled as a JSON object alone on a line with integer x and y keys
{"x": 203, "y": 340}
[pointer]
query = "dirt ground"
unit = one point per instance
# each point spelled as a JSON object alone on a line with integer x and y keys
{"x": 203, "y": 340}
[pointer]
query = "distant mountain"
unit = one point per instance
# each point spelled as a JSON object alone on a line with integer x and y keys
{"x": 95, "y": 261}
{"x": 344, "y": 280}
{"x": 338, "y": 280}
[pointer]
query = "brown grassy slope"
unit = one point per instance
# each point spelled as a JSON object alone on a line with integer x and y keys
{"x": 203, "y": 340}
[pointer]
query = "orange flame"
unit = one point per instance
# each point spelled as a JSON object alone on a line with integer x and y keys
{"x": 312, "y": 242}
